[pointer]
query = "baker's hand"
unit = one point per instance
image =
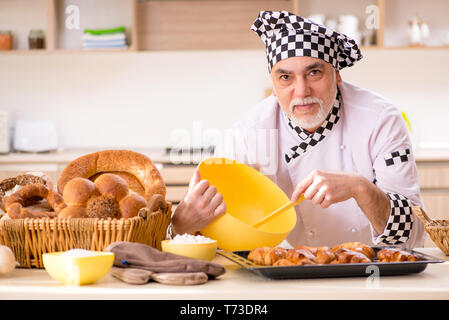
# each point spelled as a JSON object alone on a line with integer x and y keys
{"x": 200, "y": 207}
{"x": 325, "y": 188}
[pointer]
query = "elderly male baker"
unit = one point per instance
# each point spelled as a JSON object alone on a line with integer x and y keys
{"x": 345, "y": 148}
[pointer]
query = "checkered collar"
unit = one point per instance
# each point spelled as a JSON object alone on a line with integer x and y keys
{"x": 309, "y": 140}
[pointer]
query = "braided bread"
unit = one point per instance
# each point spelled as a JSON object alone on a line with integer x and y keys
{"x": 107, "y": 197}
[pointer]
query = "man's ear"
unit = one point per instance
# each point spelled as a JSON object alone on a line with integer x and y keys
{"x": 338, "y": 77}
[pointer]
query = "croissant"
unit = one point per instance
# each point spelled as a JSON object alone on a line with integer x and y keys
{"x": 312, "y": 250}
{"x": 348, "y": 252}
{"x": 258, "y": 255}
{"x": 395, "y": 255}
{"x": 349, "y": 256}
{"x": 300, "y": 257}
{"x": 324, "y": 255}
{"x": 273, "y": 255}
{"x": 356, "y": 246}
{"x": 283, "y": 262}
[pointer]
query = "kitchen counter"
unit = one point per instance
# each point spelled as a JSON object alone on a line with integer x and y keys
{"x": 238, "y": 284}
{"x": 158, "y": 155}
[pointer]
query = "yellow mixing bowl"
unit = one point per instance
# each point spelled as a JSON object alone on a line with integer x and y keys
{"x": 249, "y": 196}
{"x": 78, "y": 270}
{"x": 204, "y": 251}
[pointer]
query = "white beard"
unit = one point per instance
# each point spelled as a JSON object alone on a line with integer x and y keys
{"x": 312, "y": 122}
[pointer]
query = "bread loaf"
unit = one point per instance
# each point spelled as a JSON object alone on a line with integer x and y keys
{"x": 135, "y": 168}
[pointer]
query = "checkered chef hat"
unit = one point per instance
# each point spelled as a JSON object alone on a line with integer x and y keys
{"x": 287, "y": 35}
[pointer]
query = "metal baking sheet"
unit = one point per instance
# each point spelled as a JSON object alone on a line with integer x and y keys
{"x": 334, "y": 270}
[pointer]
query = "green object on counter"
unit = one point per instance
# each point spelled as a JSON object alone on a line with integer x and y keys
{"x": 105, "y": 31}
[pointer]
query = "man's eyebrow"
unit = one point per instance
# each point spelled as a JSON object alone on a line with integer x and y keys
{"x": 309, "y": 67}
{"x": 283, "y": 71}
{"x": 314, "y": 65}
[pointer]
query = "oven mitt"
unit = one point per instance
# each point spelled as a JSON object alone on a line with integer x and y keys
{"x": 140, "y": 276}
{"x": 142, "y": 256}
{"x": 180, "y": 279}
{"x": 132, "y": 275}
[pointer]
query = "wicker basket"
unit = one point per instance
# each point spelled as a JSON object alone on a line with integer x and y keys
{"x": 30, "y": 238}
{"x": 438, "y": 230}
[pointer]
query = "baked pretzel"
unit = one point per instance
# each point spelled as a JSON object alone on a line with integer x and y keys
{"x": 395, "y": 255}
{"x": 16, "y": 207}
{"x": 23, "y": 180}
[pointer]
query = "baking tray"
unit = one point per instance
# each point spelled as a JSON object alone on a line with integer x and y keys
{"x": 334, "y": 270}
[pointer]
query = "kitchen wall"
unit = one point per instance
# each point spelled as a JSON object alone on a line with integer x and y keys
{"x": 144, "y": 99}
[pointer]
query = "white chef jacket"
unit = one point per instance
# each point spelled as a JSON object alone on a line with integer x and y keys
{"x": 370, "y": 138}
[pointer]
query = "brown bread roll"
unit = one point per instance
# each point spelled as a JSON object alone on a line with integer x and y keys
{"x": 131, "y": 204}
{"x": 78, "y": 191}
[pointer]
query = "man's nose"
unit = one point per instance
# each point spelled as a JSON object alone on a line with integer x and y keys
{"x": 302, "y": 88}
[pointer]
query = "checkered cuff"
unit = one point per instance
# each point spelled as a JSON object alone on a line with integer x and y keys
{"x": 399, "y": 223}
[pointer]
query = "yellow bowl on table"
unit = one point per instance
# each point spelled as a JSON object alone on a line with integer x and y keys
{"x": 75, "y": 270}
{"x": 249, "y": 197}
{"x": 203, "y": 251}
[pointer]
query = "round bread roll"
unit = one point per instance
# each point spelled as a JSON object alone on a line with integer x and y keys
{"x": 78, "y": 191}
{"x": 73, "y": 211}
{"x": 135, "y": 165}
{"x": 131, "y": 204}
{"x": 111, "y": 185}
{"x": 131, "y": 180}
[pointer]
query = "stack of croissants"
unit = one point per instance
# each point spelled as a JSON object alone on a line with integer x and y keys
{"x": 104, "y": 184}
{"x": 348, "y": 252}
